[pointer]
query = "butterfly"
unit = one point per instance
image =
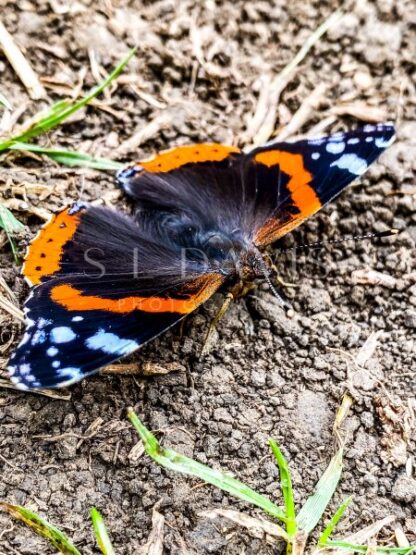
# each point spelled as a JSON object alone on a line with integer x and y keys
{"x": 105, "y": 283}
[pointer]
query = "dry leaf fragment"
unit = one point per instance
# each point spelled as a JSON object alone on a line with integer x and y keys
{"x": 257, "y": 528}
{"x": 371, "y": 277}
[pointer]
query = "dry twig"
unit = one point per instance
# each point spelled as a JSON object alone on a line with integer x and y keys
{"x": 20, "y": 65}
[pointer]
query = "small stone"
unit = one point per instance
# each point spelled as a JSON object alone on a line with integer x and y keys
{"x": 404, "y": 489}
{"x": 313, "y": 412}
{"x": 258, "y": 378}
{"x": 363, "y": 80}
{"x": 222, "y": 415}
{"x": 410, "y": 318}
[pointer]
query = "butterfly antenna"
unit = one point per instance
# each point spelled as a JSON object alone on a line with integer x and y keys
{"x": 321, "y": 244}
{"x": 283, "y": 302}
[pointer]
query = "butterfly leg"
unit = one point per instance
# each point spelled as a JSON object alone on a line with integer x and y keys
{"x": 239, "y": 290}
{"x": 274, "y": 269}
{"x": 223, "y": 309}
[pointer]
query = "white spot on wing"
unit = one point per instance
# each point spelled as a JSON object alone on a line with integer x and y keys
{"x": 18, "y": 383}
{"x": 351, "y": 162}
{"x": 25, "y": 369}
{"x": 52, "y": 351}
{"x": 62, "y": 334}
{"x": 39, "y": 337}
{"x": 30, "y": 323}
{"x": 317, "y": 141}
{"x": 71, "y": 372}
{"x": 335, "y": 147}
{"x": 111, "y": 343}
{"x": 56, "y": 364}
{"x": 315, "y": 155}
{"x": 77, "y": 318}
{"x": 353, "y": 141}
{"x": 384, "y": 143}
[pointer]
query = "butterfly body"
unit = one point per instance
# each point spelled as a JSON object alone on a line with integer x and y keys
{"x": 105, "y": 283}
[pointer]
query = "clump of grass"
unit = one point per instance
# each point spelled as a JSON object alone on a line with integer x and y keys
{"x": 297, "y": 525}
{"x": 48, "y": 119}
{"x": 293, "y": 527}
{"x": 57, "y": 538}
{"x": 45, "y": 121}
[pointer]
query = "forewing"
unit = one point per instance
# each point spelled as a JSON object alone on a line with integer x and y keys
{"x": 294, "y": 180}
{"x": 106, "y": 290}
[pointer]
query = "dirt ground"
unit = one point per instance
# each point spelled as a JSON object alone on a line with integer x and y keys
{"x": 197, "y": 76}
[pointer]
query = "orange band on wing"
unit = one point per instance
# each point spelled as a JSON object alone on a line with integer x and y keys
{"x": 188, "y": 154}
{"x": 303, "y": 195}
{"x": 45, "y": 251}
{"x": 74, "y": 300}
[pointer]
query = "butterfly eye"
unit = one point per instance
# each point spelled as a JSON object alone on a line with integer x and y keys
{"x": 215, "y": 242}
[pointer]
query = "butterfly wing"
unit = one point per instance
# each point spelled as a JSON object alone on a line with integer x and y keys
{"x": 105, "y": 288}
{"x": 294, "y": 180}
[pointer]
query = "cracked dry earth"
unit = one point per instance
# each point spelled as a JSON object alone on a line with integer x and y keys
{"x": 198, "y": 75}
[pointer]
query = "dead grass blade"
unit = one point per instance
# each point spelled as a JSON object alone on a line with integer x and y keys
{"x": 361, "y": 111}
{"x": 304, "y": 113}
{"x": 4, "y": 102}
{"x": 365, "y": 534}
{"x": 257, "y": 528}
{"x": 262, "y": 124}
{"x": 10, "y": 295}
{"x": 145, "y": 133}
{"x": 42, "y": 527}
{"x": 154, "y": 545}
{"x": 9, "y": 307}
{"x": 368, "y": 349}
{"x": 21, "y": 66}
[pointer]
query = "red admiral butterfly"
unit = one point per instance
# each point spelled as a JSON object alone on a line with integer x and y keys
{"x": 105, "y": 283}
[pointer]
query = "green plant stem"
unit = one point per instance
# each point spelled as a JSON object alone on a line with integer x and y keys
{"x": 69, "y": 157}
{"x": 174, "y": 461}
{"x": 324, "y": 537}
{"x": 364, "y": 548}
{"x": 287, "y": 492}
{"x": 101, "y": 533}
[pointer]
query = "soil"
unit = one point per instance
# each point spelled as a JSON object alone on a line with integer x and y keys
{"x": 198, "y": 72}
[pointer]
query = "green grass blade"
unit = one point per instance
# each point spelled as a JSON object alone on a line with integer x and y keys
{"x": 42, "y": 527}
{"x": 174, "y": 461}
{"x": 324, "y": 537}
{"x": 4, "y": 102}
{"x": 8, "y": 222}
{"x": 314, "y": 507}
{"x": 101, "y": 533}
{"x": 69, "y": 157}
{"x": 11, "y": 225}
{"x": 62, "y": 110}
{"x": 364, "y": 548}
{"x": 286, "y": 486}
